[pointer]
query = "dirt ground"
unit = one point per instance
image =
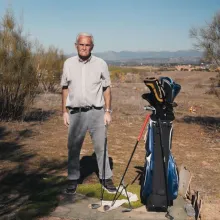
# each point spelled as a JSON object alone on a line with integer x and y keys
{"x": 38, "y": 144}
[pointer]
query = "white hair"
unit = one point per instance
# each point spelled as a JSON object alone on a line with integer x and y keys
{"x": 85, "y": 35}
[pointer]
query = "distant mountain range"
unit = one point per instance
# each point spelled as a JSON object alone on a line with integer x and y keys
{"x": 130, "y": 55}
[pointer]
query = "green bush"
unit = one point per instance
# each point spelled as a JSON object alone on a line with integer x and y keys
{"x": 18, "y": 76}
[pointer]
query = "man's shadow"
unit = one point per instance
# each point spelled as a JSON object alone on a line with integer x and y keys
{"x": 88, "y": 166}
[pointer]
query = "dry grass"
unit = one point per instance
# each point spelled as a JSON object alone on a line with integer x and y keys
{"x": 41, "y": 140}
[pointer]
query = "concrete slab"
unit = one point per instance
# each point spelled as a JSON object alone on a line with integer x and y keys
{"x": 77, "y": 208}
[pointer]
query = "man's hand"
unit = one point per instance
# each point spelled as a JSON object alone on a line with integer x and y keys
{"x": 66, "y": 119}
{"x": 107, "y": 118}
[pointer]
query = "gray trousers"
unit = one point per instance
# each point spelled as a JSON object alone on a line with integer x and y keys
{"x": 80, "y": 123}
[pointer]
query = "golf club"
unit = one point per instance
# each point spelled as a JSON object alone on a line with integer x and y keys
{"x": 138, "y": 139}
{"x": 97, "y": 205}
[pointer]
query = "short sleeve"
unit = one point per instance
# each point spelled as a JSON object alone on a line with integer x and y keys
{"x": 64, "y": 81}
{"x": 106, "y": 81}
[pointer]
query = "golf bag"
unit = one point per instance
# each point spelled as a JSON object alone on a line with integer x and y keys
{"x": 160, "y": 179}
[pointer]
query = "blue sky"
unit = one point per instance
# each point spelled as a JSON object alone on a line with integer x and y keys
{"x": 136, "y": 25}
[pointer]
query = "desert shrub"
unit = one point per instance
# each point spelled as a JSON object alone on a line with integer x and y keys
{"x": 157, "y": 73}
{"x": 123, "y": 74}
{"x": 201, "y": 69}
{"x": 132, "y": 78}
{"x": 49, "y": 64}
{"x": 213, "y": 68}
{"x": 198, "y": 85}
{"x": 215, "y": 80}
{"x": 214, "y": 87}
{"x": 123, "y": 69}
{"x": 162, "y": 69}
{"x": 117, "y": 76}
{"x": 18, "y": 77}
{"x": 213, "y": 91}
{"x": 218, "y": 79}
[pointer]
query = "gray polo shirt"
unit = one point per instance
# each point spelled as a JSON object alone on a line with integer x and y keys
{"x": 85, "y": 81}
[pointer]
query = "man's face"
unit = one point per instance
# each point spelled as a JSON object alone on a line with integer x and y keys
{"x": 84, "y": 46}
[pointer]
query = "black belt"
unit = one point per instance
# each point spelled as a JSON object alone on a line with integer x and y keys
{"x": 83, "y": 109}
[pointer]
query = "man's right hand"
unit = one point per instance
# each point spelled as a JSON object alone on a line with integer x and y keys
{"x": 66, "y": 119}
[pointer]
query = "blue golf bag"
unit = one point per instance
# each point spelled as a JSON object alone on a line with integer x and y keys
{"x": 160, "y": 181}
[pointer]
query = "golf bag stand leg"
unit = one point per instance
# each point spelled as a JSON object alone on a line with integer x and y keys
{"x": 138, "y": 139}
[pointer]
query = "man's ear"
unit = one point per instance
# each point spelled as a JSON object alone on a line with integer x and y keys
{"x": 76, "y": 46}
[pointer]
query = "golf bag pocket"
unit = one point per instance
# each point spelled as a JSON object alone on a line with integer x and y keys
{"x": 173, "y": 178}
{"x": 147, "y": 182}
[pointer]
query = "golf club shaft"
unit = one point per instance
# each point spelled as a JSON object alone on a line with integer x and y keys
{"x": 138, "y": 139}
{"x": 104, "y": 162}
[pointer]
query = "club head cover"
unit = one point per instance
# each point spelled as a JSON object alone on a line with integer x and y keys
{"x": 153, "y": 84}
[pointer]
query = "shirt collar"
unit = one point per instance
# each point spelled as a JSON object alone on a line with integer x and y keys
{"x": 85, "y": 61}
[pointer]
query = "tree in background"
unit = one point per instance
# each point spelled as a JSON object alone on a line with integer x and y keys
{"x": 49, "y": 64}
{"x": 208, "y": 39}
{"x": 18, "y": 76}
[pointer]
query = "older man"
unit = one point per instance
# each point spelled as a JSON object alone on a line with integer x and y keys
{"x": 86, "y": 103}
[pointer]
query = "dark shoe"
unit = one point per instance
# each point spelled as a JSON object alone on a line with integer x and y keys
{"x": 71, "y": 188}
{"x": 109, "y": 186}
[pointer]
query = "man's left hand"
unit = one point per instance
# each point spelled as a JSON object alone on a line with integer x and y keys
{"x": 107, "y": 118}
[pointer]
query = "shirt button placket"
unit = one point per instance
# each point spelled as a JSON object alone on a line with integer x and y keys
{"x": 84, "y": 84}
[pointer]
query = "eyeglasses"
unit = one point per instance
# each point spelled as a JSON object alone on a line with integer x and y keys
{"x": 84, "y": 45}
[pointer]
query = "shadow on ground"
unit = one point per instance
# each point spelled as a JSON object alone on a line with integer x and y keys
{"x": 211, "y": 123}
{"x": 39, "y": 115}
{"x": 88, "y": 166}
{"x": 29, "y": 193}
{"x": 26, "y": 193}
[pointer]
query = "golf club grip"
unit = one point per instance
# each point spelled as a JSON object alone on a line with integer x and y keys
{"x": 143, "y": 127}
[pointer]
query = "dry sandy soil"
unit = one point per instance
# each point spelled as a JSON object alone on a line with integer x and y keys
{"x": 39, "y": 143}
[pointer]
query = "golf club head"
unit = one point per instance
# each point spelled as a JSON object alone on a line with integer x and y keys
{"x": 168, "y": 216}
{"x": 106, "y": 207}
{"x": 127, "y": 210}
{"x": 149, "y": 108}
{"x": 95, "y": 206}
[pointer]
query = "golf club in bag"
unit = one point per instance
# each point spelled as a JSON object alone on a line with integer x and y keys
{"x": 160, "y": 179}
